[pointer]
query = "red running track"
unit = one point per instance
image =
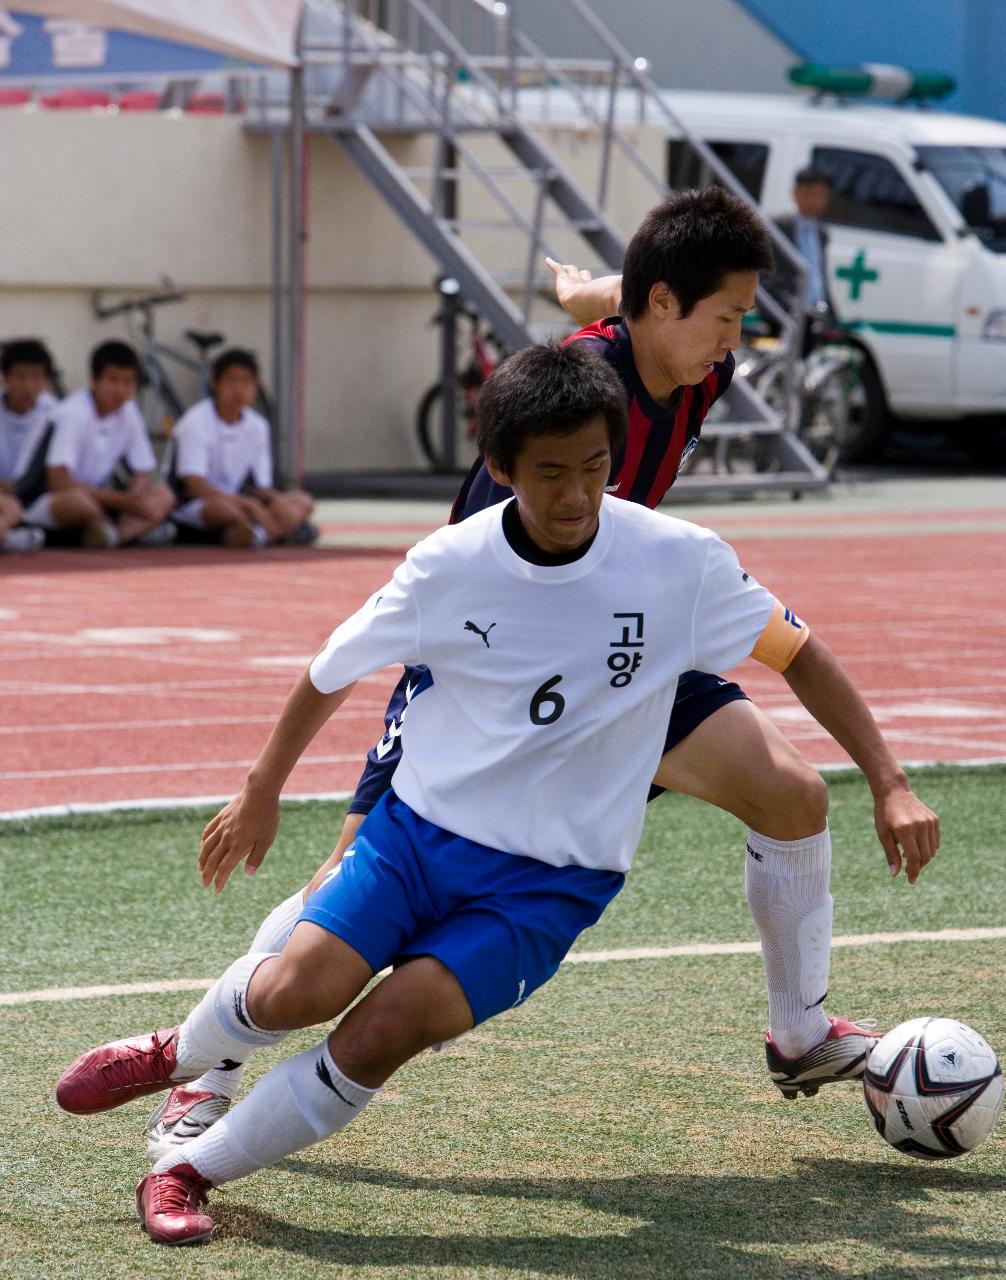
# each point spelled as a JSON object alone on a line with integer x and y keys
{"x": 134, "y": 675}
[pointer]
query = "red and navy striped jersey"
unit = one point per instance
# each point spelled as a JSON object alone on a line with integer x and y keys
{"x": 659, "y": 437}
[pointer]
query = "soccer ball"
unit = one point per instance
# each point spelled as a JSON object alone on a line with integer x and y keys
{"x": 933, "y": 1088}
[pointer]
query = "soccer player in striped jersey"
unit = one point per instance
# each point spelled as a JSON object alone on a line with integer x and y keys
{"x": 520, "y": 796}
{"x": 689, "y": 276}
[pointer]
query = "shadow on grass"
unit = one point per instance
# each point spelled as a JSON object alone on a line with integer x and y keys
{"x": 695, "y": 1226}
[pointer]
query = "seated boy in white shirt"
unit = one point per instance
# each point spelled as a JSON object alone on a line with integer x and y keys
{"x": 101, "y": 488}
{"x": 220, "y": 467}
{"x": 25, "y": 405}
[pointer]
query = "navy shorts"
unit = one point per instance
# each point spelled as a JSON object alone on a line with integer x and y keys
{"x": 699, "y": 695}
{"x": 499, "y": 921}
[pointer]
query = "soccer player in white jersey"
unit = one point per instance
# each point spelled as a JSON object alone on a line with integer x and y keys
{"x": 25, "y": 403}
{"x": 690, "y": 274}
{"x": 101, "y": 487}
{"x": 220, "y": 465}
{"x": 555, "y": 625}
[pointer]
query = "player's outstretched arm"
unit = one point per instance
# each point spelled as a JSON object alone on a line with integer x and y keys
{"x": 908, "y": 829}
{"x": 246, "y": 826}
{"x": 584, "y": 298}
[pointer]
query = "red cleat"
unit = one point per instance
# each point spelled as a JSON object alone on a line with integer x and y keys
{"x": 115, "y": 1073}
{"x": 168, "y": 1206}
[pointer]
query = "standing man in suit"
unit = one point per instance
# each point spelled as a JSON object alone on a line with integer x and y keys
{"x": 811, "y": 192}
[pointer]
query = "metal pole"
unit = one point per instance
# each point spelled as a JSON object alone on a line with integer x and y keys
{"x": 511, "y": 53}
{"x": 609, "y": 130}
{"x": 450, "y": 292}
{"x": 297, "y": 231}
{"x": 281, "y": 425}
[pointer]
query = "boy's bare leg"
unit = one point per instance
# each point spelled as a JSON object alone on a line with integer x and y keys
{"x": 153, "y": 507}
{"x": 204, "y": 1100}
{"x": 739, "y": 761}
{"x": 287, "y": 512}
{"x": 311, "y": 1096}
{"x": 10, "y": 512}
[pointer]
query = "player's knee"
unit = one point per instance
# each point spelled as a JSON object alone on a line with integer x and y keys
{"x": 302, "y": 504}
{"x": 222, "y": 510}
{"x": 801, "y": 807}
{"x": 380, "y": 1040}
{"x": 164, "y": 499}
{"x": 10, "y": 510}
{"x": 282, "y": 997}
{"x": 74, "y": 506}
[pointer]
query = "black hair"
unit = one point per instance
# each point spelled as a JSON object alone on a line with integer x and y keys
{"x": 809, "y": 176}
{"x": 25, "y": 351}
{"x": 114, "y": 355}
{"x": 690, "y": 242}
{"x": 234, "y": 358}
{"x": 548, "y": 390}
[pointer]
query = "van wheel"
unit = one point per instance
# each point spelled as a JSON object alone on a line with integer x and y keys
{"x": 985, "y": 441}
{"x": 869, "y": 427}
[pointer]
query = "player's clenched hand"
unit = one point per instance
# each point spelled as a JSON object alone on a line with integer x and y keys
{"x": 243, "y": 829}
{"x": 908, "y": 829}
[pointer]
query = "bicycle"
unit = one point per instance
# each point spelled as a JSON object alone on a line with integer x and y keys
{"x": 484, "y": 354}
{"x": 160, "y": 401}
{"x": 829, "y": 382}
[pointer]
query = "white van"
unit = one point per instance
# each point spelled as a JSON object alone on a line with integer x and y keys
{"x": 917, "y": 222}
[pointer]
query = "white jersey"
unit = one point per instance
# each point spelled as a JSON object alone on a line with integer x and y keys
{"x": 20, "y": 434}
{"x": 552, "y": 686}
{"x": 224, "y": 453}
{"x": 91, "y": 447}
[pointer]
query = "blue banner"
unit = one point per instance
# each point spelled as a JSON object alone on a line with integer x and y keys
{"x": 34, "y": 48}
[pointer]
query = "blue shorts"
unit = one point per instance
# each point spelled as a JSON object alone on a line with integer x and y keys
{"x": 499, "y": 921}
{"x": 698, "y": 696}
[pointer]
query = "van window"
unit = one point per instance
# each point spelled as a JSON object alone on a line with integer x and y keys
{"x": 745, "y": 160}
{"x": 960, "y": 170}
{"x": 867, "y": 191}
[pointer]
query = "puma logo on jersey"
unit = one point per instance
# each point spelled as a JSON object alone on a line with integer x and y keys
{"x": 470, "y": 626}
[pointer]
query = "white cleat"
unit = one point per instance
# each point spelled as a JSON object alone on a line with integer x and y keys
{"x": 183, "y": 1115}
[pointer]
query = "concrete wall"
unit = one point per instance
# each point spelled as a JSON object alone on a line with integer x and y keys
{"x": 110, "y": 202}
{"x": 98, "y": 201}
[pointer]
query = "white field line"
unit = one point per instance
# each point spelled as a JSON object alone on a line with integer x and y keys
{"x": 53, "y": 994}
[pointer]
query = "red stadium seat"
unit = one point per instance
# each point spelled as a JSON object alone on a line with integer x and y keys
{"x": 140, "y": 100}
{"x": 14, "y": 97}
{"x": 206, "y": 104}
{"x": 76, "y": 99}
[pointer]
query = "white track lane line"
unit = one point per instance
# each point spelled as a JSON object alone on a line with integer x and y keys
{"x": 197, "y": 802}
{"x": 99, "y": 771}
{"x": 55, "y": 994}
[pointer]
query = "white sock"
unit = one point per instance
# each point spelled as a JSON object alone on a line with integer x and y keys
{"x": 225, "y": 1078}
{"x": 219, "y": 1027}
{"x": 304, "y": 1099}
{"x": 787, "y": 892}
{"x": 275, "y": 929}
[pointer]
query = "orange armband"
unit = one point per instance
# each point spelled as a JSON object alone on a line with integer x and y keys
{"x": 782, "y": 639}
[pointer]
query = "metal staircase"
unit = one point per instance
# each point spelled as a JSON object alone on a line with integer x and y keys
{"x": 461, "y": 75}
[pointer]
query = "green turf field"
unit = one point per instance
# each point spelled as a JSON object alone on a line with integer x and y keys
{"x": 620, "y": 1126}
